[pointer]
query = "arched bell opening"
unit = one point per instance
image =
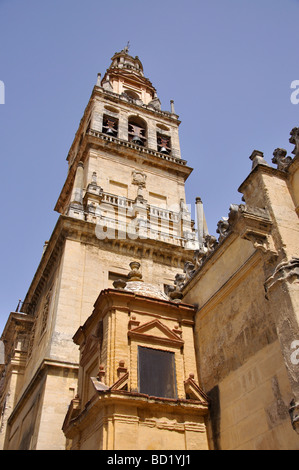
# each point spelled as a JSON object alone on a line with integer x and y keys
{"x": 163, "y": 143}
{"x": 137, "y": 131}
{"x": 110, "y": 125}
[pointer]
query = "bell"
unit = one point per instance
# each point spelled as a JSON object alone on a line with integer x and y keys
{"x": 163, "y": 150}
{"x": 109, "y": 131}
{"x": 137, "y": 140}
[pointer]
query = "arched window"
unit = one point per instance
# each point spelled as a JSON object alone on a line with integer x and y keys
{"x": 137, "y": 131}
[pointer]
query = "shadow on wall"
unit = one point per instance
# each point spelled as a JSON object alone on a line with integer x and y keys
{"x": 214, "y": 396}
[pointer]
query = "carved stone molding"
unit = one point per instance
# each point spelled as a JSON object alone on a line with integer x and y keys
{"x": 259, "y": 241}
{"x": 285, "y": 271}
{"x": 139, "y": 178}
{"x": 194, "y": 392}
{"x": 255, "y": 225}
{"x": 148, "y": 333}
{"x": 208, "y": 246}
{"x": 294, "y": 414}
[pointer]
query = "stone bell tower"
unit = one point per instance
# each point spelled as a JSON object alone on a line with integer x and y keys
{"x": 123, "y": 200}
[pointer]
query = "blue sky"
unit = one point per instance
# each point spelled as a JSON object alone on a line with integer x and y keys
{"x": 228, "y": 66}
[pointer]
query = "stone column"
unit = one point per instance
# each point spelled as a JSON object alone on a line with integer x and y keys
{"x": 201, "y": 223}
{"x": 76, "y": 204}
{"x": 77, "y": 193}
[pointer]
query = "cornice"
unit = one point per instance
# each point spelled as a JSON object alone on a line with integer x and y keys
{"x": 83, "y": 231}
{"x": 16, "y": 319}
{"x": 248, "y": 223}
{"x": 262, "y": 169}
{"x": 39, "y": 375}
{"x": 97, "y": 140}
{"x": 116, "y": 98}
{"x": 111, "y": 299}
{"x": 210, "y": 260}
{"x": 135, "y": 399}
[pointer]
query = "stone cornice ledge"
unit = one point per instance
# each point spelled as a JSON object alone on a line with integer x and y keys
{"x": 132, "y": 399}
{"x": 38, "y": 375}
{"x": 266, "y": 169}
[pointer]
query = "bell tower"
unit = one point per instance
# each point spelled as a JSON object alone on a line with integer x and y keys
{"x": 123, "y": 199}
{"x": 127, "y": 147}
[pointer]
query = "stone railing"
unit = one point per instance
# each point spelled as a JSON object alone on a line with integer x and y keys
{"x": 124, "y": 143}
{"x": 163, "y": 213}
{"x": 118, "y": 201}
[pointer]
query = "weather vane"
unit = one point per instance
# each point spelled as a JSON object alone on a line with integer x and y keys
{"x": 126, "y": 49}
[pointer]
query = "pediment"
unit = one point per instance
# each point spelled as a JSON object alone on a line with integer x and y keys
{"x": 155, "y": 331}
{"x": 121, "y": 383}
{"x": 194, "y": 392}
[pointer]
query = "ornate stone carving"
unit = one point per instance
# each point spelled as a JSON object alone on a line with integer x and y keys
{"x": 189, "y": 270}
{"x": 135, "y": 274}
{"x": 223, "y": 228}
{"x": 174, "y": 292}
{"x": 259, "y": 241}
{"x": 253, "y": 224}
{"x": 281, "y": 160}
{"x": 294, "y": 139}
{"x": 285, "y": 271}
{"x": 294, "y": 414}
{"x": 208, "y": 246}
{"x": 139, "y": 178}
